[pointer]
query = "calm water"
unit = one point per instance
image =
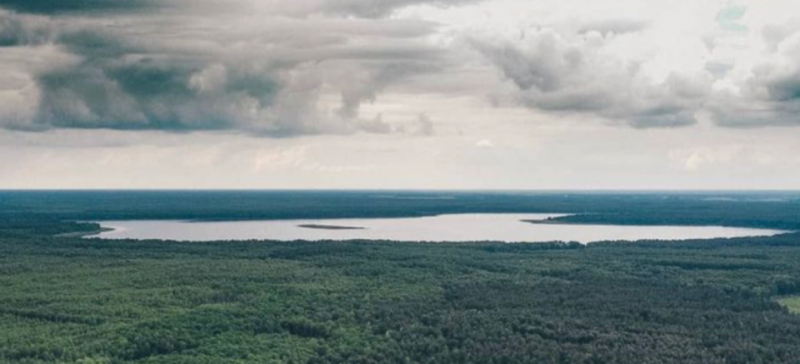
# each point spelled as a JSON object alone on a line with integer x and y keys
{"x": 445, "y": 228}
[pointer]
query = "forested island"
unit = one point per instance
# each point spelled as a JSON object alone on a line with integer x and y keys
{"x": 329, "y": 227}
{"x": 67, "y": 299}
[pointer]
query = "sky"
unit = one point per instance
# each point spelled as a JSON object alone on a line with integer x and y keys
{"x": 400, "y": 94}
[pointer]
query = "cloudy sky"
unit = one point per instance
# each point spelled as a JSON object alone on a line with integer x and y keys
{"x": 418, "y": 94}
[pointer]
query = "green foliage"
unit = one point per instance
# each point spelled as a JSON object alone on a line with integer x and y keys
{"x": 760, "y": 209}
{"x": 64, "y": 299}
{"x": 70, "y": 300}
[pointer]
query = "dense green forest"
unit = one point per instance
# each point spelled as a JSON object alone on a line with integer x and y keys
{"x": 64, "y": 299}
{"x": 72, "y": 300}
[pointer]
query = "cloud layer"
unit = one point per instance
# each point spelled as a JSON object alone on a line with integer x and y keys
{"x": 555, "y": 74}
{"x": 82, "y": 6}
{"x": 769, "y": 94}
{"x": 121, "y": 67}
{"x": 286, "y": 68}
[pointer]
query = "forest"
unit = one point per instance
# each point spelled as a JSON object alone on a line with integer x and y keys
{"x": 778, "y": 210}
{"x": 67, "y": 299}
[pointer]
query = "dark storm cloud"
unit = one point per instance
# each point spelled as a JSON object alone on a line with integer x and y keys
{"x": 94, "y": 44}
{"x": 22, "y": 31}
{"x": 141, "y": 95}
{"x": 357, "y": 8}
{"x": 205, "y": 70}
{"x": 785, "y": 89}
{"x": 116, "y": 85}
{"x": 115, "y": 88}
{"x": 55, "y": 7}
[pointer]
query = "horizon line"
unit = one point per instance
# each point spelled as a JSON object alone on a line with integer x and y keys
{"x": 451, "y": 190}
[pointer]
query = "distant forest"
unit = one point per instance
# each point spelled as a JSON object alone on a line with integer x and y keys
{"x": 71, "y": 300}
{"x": 779, "y": 210}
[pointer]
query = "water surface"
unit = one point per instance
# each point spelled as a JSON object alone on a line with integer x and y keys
{"x": 442, "y": 228}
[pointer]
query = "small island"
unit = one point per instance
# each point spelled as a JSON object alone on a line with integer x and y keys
{"x": 329, "y": 227}
{"x": 549, "y": 220}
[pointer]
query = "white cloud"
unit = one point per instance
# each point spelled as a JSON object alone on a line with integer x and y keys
{"x": 263, "y": 67}
{"x": 576, "y": 74}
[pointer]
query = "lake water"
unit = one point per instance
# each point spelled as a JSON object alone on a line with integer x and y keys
{"x": 442, "y": 228}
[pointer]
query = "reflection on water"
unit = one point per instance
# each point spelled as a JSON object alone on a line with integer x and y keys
{"x": 444, "y": 228}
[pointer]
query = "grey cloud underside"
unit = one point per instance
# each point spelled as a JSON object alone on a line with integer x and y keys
{"x": 55, "y": 7}
{"x": 119, "y": 86}
{"x": 778, "y": 106}
{"x": 357, "y": 8}
{"x": 785, "y": 89}
{"x": 770, "y": 96}
{"x": 262, "y": 78}
{"x": 130, "y": 69}
{"x": 554, "y": 75}
{"x": 143, "y": 94}
{"x": 21, "y": 31}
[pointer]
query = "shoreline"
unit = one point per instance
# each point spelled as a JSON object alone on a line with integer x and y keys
{"x": 546, "y": 222}
{"x": 83, "y": 234}
{"x": 330, "y": 227}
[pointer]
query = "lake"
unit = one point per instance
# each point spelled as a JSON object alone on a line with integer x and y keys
{"x": 441, "y": 228}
